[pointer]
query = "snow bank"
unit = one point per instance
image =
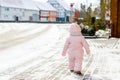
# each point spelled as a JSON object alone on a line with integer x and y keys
{"x": 102, "y": 33}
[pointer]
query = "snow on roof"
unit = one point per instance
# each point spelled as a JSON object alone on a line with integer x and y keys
{"x": 63, "y": 4}
{"x": 45, "y": 6}
{"x": 25, "y": 4}
{"x": 29, "y": 4}
{"x": 12, "y": 3}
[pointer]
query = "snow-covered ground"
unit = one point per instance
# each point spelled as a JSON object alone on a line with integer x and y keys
{"x": 103, "y": 33}
{"x": 31, "y": 51}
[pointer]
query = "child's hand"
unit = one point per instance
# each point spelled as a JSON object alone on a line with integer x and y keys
{"x": 88, "y": 52}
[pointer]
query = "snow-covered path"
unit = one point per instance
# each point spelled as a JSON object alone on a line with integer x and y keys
{"x": 30, "y": 51}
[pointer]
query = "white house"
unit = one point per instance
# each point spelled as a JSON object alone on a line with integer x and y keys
{"x": 31, "y": 12}
{"x": 47, "y": 13}
{"x": 18, "y": 10}
{"x": 63, "y": 10}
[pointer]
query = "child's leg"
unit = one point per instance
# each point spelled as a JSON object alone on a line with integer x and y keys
{"x": 71, "y": 63}
{"x": 78, "y": 64}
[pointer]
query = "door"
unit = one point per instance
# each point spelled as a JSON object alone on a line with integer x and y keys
{"x": 16, "y": 18}
{"x": 30, "y": 18}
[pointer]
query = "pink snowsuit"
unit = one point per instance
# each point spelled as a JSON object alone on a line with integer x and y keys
{"x": 74, "y": 45}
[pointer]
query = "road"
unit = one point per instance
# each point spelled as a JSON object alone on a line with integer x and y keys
{"x": 30, "y": 51}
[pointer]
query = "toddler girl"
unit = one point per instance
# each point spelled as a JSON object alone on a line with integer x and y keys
{"x": 74, "y": 45}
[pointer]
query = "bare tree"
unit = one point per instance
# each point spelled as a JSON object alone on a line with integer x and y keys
{"x": 102, "y": 7}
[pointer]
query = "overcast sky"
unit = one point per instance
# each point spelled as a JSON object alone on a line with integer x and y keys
{"x": 77, "y": 2}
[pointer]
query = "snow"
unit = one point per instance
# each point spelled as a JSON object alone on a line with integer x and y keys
{"x": 24, "y": 4}
{"x": 45, "y": 6}
{"x": 29, "y": 4}
{"x": 12, "y": 3}
{"x": 103, "y": 33}
{"x": 18, "y": 51}
{"x": 31, "y": 51}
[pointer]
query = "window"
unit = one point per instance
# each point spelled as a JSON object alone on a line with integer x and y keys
{"x": 20, "y": 17}
{"x": 56, "y": 5}
{"x": 6, "y": 16}
{"x": 20, "y": 9}
{"x": 6, "y": 9}
{"x": 14, "y": 9}
{"x": 23, "y": 14}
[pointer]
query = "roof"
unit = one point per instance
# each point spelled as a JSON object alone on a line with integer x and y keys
{"x": 29, "y": 4}
{"x": 63, "y": 4}
{"x": 45, "y": 6}
{"x": 25, "y": 4}
{"x": 12, "y": 3}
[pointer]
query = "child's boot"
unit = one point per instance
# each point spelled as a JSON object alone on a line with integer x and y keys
{"x": 78, "y": 73}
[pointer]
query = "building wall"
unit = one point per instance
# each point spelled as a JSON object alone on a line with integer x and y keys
{"x": 44, "y": 16}
{"x": 30, "y": 15}
{"x": 115, "y": 17}
{"x": 52, "y": 16}
{"x": 48, "y": 16}
{"x": 17, "y": 14}
{"x": 61, "y": 14}
{"x": 67, "y": 14}
{"x": 10, "y": 13}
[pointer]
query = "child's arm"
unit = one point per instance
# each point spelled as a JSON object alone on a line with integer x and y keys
{"x": 86, "y": 45}
{"x": 65, "y": 47}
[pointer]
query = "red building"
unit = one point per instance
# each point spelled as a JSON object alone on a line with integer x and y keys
{"x": 52, "y": 16}
{"x": 76, "y": 14}
{"x": 47, "y": 13}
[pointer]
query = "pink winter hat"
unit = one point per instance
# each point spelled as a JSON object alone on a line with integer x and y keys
{"x": 74, "y": 28}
